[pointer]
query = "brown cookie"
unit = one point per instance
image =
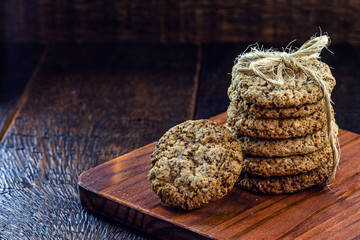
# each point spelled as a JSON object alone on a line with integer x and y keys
{"x": 282, "y": 166}
{"x": 298, "y": 88}
{"x": 285, "y": 184}
{"x": 194, "y": 163}
{"x": 284, "y": 147}
{"x": 293, "y": 112}
{"x": 249, "y": 125}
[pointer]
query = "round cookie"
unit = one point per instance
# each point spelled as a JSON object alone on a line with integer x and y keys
{"x": 250, "y": 125}
{"x": 284, "y": 147}
{"x": 285, "y": 184}
{"x": 298, "y": 89}
{"x": 293, "y": 112}
{"x": 282, "y": 166}
{"x": 194, "y": 163}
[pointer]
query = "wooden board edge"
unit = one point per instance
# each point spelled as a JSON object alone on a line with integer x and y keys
{"x": 84, "y": 175}
{"x": 135, "y": 218}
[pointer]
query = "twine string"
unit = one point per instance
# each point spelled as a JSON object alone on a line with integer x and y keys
{"x": 261, "y": 62}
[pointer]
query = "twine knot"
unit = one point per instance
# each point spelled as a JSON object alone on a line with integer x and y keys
{"x": 269, "y": 64}
{"x": 288, "y": 60}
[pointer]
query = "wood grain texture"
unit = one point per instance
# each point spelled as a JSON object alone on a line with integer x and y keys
{"x": 215, "y": 78}
{"x": 119, "y": 189}
{"x": 345, "y": 63}
{"x": 17, "y": 65}
{"x": 178, "y": 21}
{"x": 88, "y": 105}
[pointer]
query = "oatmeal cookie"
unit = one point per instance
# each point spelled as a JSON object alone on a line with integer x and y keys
{"x": 285, "y": 147}
{"x": 194, "y": 163}
{"x": 292, "y": 112}
{"x": 285, "y": 184}
{"x": 282, "y": 166}
{"x": 249, "y": 125}
{"x": 298, "y": 88}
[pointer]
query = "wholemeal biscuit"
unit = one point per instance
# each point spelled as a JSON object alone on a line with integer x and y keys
{"x": 249, "y": 125}
{"x": 194, "y": 163}
{"x": 282, "y": 166}
{"x": 298, "y": 88}
{"x": 285, "y": 184}
{"x": 293, "y": 112}
{"x": 285, "y": 147}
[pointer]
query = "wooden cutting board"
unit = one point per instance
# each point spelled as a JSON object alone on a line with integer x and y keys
{"x": 119, "y": 189}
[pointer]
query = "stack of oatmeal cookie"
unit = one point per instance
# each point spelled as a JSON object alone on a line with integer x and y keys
{"x": 283, "y": 129}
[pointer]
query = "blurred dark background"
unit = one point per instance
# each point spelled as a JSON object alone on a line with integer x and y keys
{"x": 203, "y": 21}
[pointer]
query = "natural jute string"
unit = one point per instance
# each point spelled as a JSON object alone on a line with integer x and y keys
{"x": 258, "y": 62}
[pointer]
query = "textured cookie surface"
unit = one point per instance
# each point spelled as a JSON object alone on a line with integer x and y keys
{"x": 282, "y": 166}
{"x": 298, "y": 89}
{"x": 285, "y": 147}
{"x": 250, "y": 125}
{"x": 194, "y": 163}
{"x": 293, "y": 112}
{"x": 285, "y": 184}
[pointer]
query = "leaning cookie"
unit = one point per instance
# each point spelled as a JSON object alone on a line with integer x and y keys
{"x": 285, "y": 147}
{"x": 194, "y": 163}
{"x": 285, "y": 184}
{"x": 250, "y": 125}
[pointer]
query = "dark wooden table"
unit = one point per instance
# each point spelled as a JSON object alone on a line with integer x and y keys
{"x": 67, "y": 108}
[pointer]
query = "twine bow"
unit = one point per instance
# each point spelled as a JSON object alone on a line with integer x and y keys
{"x": 260, "y": 62}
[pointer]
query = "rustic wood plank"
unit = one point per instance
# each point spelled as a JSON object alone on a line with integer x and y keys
{"x": 89, "y": 104}
{"x": 178, "y": 21}
{"x": 218, "y": 61}
{"x": 17, "y": 63}
{"x": 345, "y": 63}
{"x": 311, "y": 213}
{"x": 79, "y": 100}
